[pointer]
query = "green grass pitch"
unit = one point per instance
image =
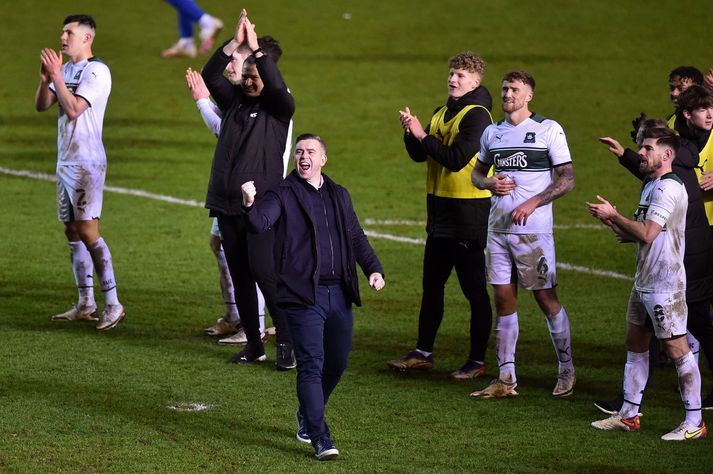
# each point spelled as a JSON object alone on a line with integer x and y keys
{"x": 72, "y": 400}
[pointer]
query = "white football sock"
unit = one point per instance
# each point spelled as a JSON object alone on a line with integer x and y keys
{"x": 83, "y": 273}
{"x": 226, "y": 287}
{"x": 105, "y": 270}
{"x": 506, "y": 332}
{"x": 558, "y": 325}
{"x": 694, "y": 345}
{"x": 260, "y": 301}
{"x": 689, "y": 384}
{"x": 636, "y": 374}
{"x": 260, "y": 308}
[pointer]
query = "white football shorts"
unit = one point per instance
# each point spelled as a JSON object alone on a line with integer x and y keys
{"x": 525, "y": 259}
{"x": 80, "y": 190}
{"x": 668, "y": 312}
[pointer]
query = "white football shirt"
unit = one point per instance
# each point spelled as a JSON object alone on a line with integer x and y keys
{"x": 80, "y": 140}
{"x": 526, "y": 153}
{"x": 659, "y": 265}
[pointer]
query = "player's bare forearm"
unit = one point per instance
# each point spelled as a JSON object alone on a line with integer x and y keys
{"x": 230, "y": 47}
{"x": 478, "y": 179}
{"x": 478, "y": 175}
{"x": 644, "y": 232}
{"x": 72, "y": 105}
{"x": 564, "y": 184}
{"x": 44, "y": 98}
{"x": 622, "y": 235}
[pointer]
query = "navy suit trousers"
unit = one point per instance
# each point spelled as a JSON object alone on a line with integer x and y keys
{"x": 322, "y": 340}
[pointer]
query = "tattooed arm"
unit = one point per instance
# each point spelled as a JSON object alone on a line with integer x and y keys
{"x": 563, "y": 185}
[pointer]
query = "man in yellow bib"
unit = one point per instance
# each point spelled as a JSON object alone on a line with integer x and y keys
{"x": 457, "y": 212}
{"x": 694, "y": 121}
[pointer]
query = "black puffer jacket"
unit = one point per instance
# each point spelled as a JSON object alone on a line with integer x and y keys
{"x": 252, "y": 135}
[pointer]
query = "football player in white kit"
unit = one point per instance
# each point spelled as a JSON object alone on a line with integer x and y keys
{"x": 658, "y": 300}
{"x": 527, "y": 151}
{"x": 81, "y": 86}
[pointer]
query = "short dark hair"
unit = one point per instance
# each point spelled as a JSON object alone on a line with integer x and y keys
{"x": 664, "y": 136}
{"x": 312, "y": 136}
{"x": 695, "y": 97}
{"x": 648, "y": 123}
{"x": 522, "y": 76}
{"x": 687, "y": 72}
{"x": 85, "y": 20}
{"x": 270, "y": 46}
{"x": 653, "y": 123}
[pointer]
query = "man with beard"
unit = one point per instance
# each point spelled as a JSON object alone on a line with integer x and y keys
{"x": 527, "y": 151}
{"x": 657, "y": 302}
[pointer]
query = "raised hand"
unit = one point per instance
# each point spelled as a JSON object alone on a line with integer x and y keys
{"x": 603, "y": 211}
{"x": 197, "y": 86}
{"x": 708, "y": 79}
{"x": 405, "y": 118}
{"x": 44, "y": 74}
{"x": 240, "y": 27}
{"x": 51, "y": 63}
{"x": 636, "y": 124}
{"x": 614, "y": 146}
{"x": 250, "y": 35}
{"x": 411, "y": 124}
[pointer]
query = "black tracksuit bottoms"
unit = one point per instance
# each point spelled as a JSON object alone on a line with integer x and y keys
{"x": 468, "y": 257}
{"x": 250, "y": 259}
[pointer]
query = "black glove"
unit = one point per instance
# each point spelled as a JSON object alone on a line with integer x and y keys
{"x": 636, "y": 123}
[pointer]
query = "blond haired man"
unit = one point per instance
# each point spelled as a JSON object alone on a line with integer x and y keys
{"x": 457, "y": 212}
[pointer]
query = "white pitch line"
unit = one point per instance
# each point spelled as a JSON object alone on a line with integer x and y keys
{"x": 594, "y": 271}
{"x": 370, "y": 233}
{"x": 562, "y": 265}
{"x": 388, "y": 222}
{"x": 407, "y": 222}
{"x": 113, "y": 189}
{"x": 28, "y": 174}
{"x": 397, "y": 238}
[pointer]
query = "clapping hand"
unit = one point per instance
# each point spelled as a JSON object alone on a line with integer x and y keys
{"x": 51, "y": 64}
{"x": 411, "y": 124}
{"x": 195, "y": 83}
